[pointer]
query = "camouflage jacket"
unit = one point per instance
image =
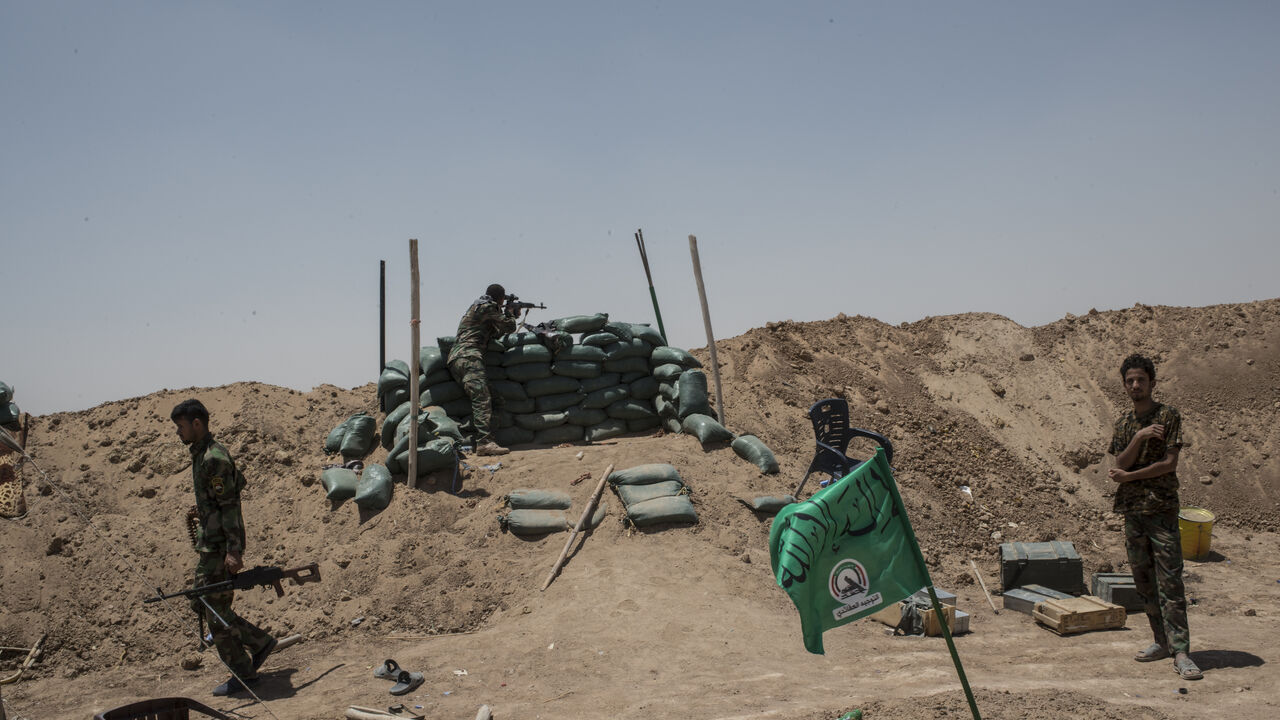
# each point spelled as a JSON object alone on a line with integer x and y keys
{"x": 217, "y": 485}
{"x": 482, "y": 322}
{"x": 1152, "y": 495}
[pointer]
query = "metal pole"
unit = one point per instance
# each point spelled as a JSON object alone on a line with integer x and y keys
{"x": 414, "y": 364}
{"x": 644, "y": 258}
{"x": 706, "y": 320}
{"x": 382, "y": 321}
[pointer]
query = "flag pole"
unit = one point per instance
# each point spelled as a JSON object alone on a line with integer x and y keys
{"x": 933, "y": 598}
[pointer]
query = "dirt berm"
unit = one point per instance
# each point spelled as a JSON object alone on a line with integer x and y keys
{"x": 677, "y": 622}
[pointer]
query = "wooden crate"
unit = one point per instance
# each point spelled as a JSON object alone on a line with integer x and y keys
{"x": 1077, "y": 615}
{"x": 892, "y": 615}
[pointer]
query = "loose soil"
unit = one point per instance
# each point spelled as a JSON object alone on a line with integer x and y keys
{"x": 675, "y": 622}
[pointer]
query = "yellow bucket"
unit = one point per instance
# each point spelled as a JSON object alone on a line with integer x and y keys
{"x": 1196, "y": 527}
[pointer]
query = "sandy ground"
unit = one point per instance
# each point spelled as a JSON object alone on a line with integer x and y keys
{"x": 680, "y": 621}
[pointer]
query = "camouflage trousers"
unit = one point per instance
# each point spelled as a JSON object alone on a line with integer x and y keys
{"x": 469, "y": 372}
{"x": 232, "y": 641}
{"x": 1155, "y": 554}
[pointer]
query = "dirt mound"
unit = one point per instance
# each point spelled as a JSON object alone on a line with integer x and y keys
{"x": 1019, "y": 416}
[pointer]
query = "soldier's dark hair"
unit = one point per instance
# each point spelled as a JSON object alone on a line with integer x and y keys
{"x": 496, "y": 291}
{"x": 1140, "y": 362}
{"x": 191, "y": 409}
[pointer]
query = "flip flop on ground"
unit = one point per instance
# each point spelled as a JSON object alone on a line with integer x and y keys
{"x": 388, "y": 670}
{"x": 406, "y": 682}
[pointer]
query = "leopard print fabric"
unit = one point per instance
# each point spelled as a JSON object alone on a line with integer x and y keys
{"x": 13, "y": 504}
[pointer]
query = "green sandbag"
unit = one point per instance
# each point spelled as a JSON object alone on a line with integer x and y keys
{"x": 581, "y": 323}
{"x": 443, "y": 425}
{"x": 627, "y": 365}
{"x": 435, "y": 378}
{"x": 693, "y": 394}
{"x": 672, "y": 425}
{"x": 391, "y": 422}
{"x": 433, "y": 455}
{"x": 622, "y": 350}
{"x": 581, "y": 352}
{"x": 667, "y": 373}
{"x": 753, "y": 450}
{"x": 631, "y": 494}
{"x": 770, "y": 504}
{"x": 599, "y": 339}
{"x": 459, "y": 408}
{"x": 519, "y": 407}
{"x": 673, "y": 355}
{"x": 631, "y": 410}
{"x": 648, "y": 333}
{"x": 494, "y": 357}
{"x": 586, "y": 417}
{"x": 333, "y": 442}
{"x": 645, "y": 474}
{"x": 441, "y": 394}
{"x": 606, "y": 397}
{"x": 605, "y": 430}
{"x": 495, "y": 345}
{"x": 620, "y": 330}
{"x": 534, "y": 522}
{"x": 563, "y": 401}
{"x": 433, "y": 422}
{"x": 551, "y": 386}
{"x": 373, "y": 489}
{"x": 525, "y": 498}
{"x": 675, "y": 509}
{"x": 396, "y": 397}
{"x": 507, "y": 437}
{"x": 706, "y": 429}
{"x": 430, "y": 359}
{"x": 559, "y": 434}
{"x": 497, "y": 373}
{"x": 394, "y": 377}
{"x": 665, "y": 408}
{"x": 445, "y": 345}
{"x": 502, "y": 419}
{"x": 643, "y": 424}
{"x": 628, "y": 378}
{"x": 358, "y": 440}
{"x": 522, "y": 354}
{"x": 6, "y": 393}
{"x": 668, "y": 391}
{"x": 597, "y": 517}
{"x": 577, "y": 368}
{"x": 508, "y": 390}
{"x": 541, "y": 421}
{"x": 527, "y": 372}
{"x": 511, "y": 340}
{"x": 644, "y": 388}
{"x": 339, "y": 483}
{"x": 607, "y": 380}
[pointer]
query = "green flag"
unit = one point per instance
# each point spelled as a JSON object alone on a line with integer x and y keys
{"x": 847, "y": 551}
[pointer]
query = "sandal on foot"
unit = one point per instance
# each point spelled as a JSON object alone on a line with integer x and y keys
{"x": 1154, "y": 651}
{"x": 1186, "y": 668}
{"x": 406, "y": 682}
{"x": 388, "y": 670}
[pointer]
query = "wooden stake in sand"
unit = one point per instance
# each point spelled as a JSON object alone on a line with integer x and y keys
{"x": 586, "y": 517}
{"x": 706, "y": 320}
{"x": 984, "y": 586}
{"x": 414, "y": 364}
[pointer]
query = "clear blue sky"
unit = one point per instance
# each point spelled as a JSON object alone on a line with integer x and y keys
{"x": 196, "y": 193}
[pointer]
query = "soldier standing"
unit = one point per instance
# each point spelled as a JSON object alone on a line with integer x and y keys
{"x": 482, "y": 322}
{"x": 1146, "y": 443}
{"x": 220, "y": 539}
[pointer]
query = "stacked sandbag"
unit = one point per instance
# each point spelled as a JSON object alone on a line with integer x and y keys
{"x": 653, "y": 494}
{"x": 437, "y": 443}
{"x": 373, "y": 487}
{"x": 9, "y": 412}
{"x": 353, "y": 437}
{"x": 538, "y": 512}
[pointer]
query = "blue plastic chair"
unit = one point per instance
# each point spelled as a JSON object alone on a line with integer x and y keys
{"x": 832, "y": 433}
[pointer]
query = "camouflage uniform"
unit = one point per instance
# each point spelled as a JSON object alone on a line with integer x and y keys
{"x": 482, "y": 322}
{"x": 220, "y": 530}
{"x": 1150, "y": 509}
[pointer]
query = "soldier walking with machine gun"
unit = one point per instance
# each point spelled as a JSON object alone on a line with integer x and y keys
{"x": 491, "y": 315}
{"x": 219, "y": 539}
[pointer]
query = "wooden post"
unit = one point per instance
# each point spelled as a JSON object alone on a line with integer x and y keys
{"x": 586, "y": 517}
{"x": 983, "y": 583}
{"x": 706, "y": 320}
{"x": 414, "y": 363}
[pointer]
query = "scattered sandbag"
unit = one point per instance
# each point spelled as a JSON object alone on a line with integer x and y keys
{"x": 706, "y": 429}
{"x": 599, "y": 339}
{"x": 534, "y": 522}
{"x": 608, "y": 429}
{"x": 577, "y": 368}
{"x": 526, "y": 372}
{"x": 645, "y": 474}
{"x": 606, "y": 380}
{"x": 674, "y": 509}
{"x": 631, "y": 410}
{"x": 373, "y": 489}
{"x": 563, "y": 401}
{"x": 644, "y": 387}
{"x": 693, "y": 394}
{"x": 581, "y": 352}
{"x": 581, "y": 323}
{"x": 753, "y": 450}
{"x": 541, "y": 421}
{"x": 597, "y": 517}
{"x": 539, "y": 499}
{"x": 648, "y": 333}
{"x": 630, "y": 494}
{"x": 553, "y": 385}
{"x": 606, "y": 397}
{"x": 770, "y": 504}
{"x": 559, "y": 434}
{"x": 339, "y": 483}
{"x": 358, "y": 440}
{"x": 667, "y": 373}
{"x": 673, "y": 355}
{"x": 586, "y": 417}
{"x": 522, "y": 354}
